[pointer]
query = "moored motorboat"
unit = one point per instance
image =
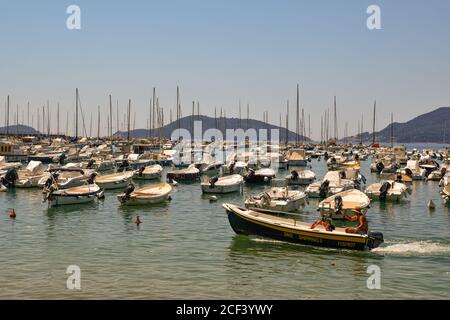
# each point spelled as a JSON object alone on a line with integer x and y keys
{"x": 190, "y": 173}
{"x": 251, "y": 222}
{"x": 76, "y": 195}
{"x": 226, "y": 184}
{"x": 149, "y": 194}
{"x": 301, "y": 177}
{"x": 445, "y": 193}
{"x": 65, "y": 177}
{"x": 148, "y": 173}
{"x": 297, "y": 158}
{"x": 30, "y": 176}
{"x": 344, "y": 202}
{"x": 387, "y": 191}
{"x": 278, "y": 199}
{"x": 331, "y": 184}
{"x": 114, "y": 180}
{"x": 259, "y": 176}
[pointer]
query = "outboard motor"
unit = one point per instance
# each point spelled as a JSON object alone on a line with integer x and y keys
{"x": 324, "y": 188}
{"x": 342, "y": 174}
{"x": 61, "y": 158}
{"x": 123, "y": 165}
{"x": 338, "y": 202}
{"x": 232, "y": 167}
{"x": 10, "y": 178}
{"x": 325, "y": 155}
{"x": 380, "y": 167}
{"x": 374, "y": 239}
{"x": 383, "y": 190}
{"x": 408, "y": 172}
{"x": 398, "y": 177}
{"x": 129, "y": 190}
{"x": 356, "y": 157}
{"x": 91, "y": 178}
{"x": 90, "y": 164}
{"x": 294, "y": 175}
{"x": 212, "y": 181}
{"x": 443, "y": 171}
{"x": 141, "y": 171}
{"x": 51, "y": 180}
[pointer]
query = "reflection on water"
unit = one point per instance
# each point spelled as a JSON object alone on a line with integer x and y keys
{"x": 185, "y": 248}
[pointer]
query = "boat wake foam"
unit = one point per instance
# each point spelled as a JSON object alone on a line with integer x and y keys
{"x": 414, "y": 248}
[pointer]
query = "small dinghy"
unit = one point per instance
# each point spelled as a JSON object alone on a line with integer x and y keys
{"x": 400, "y": 177}
{"x": 259, "y": 176}
{"x": 345, "y": 201}
{"x": 65, "y": 177}
{"x": 301, "y": 178}
{"x": 148, "y": 173}
{"x": 113, "y": 180}
{"x": 238, "y": 167}
{"x": 331, "y": 184}
{"x": 252, "y": 222}
{"x": 445, "y": 193}
{"x": 278, "y": 199}
{"x": 30, "y": 176}
{"x": 297, "y": 158}
{"x": 227, "y": 184}
{"x": 76, "y": 195}
{"x": 191, "y": 173}
{"x": 149, "y": 194}
{"x": 387, "y": 191}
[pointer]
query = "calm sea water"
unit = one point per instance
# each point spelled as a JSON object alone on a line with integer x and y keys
{"x": 187, "y": 250}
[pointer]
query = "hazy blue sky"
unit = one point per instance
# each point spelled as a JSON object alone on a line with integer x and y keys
{"x": 221, "y": 51}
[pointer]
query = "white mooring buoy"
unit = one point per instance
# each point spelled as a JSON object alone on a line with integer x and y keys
{"x": 212, "y": 198}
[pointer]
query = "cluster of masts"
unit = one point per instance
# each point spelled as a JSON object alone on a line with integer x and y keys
{"x": 156, "y": 121}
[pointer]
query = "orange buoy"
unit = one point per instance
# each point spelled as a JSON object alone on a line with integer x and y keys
{"x": 12, "y": 214}
{"x": 138, "y": 220}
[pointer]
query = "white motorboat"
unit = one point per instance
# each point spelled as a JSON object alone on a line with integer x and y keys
{"x": 114, "y": 180}
{"x": 301, "y": 177}
{"x": 99, "y": 164}
{"x": 190, "y": 173}
{"x": 5, "y": 166}
{"x": 261, "y": 175}
{"x": 445, "y": 193}
{"x": 30, "y": 176}
{"x": 149, "y": 194}
{"x": 238, "y": 167}
{"x": 148, "y": 173}
{"x": 278, "y": 199}
{"x": 226, "y": 184}
{"x": 76, "y": 195}
{"x": 297, "y": 158}
{"x": 345, "y": 201}
{"x": 413, "y": 170}
{"x": 331, "y": 184}
{"x": 65, "y": 177}
{"x": 388, "y": 190}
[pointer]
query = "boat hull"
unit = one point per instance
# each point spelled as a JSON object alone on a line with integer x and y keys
{"x": 243, "y": 225}
{"x": 206, "y": 188}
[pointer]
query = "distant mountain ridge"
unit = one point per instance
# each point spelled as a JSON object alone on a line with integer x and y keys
{"x": 19, "y": 129}
{"x": 210, "y": 123}
{"x": 433, "y": 127}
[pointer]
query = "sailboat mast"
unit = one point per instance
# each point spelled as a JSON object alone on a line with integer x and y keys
{"x": 98, "y": 123}
{"x": 57, "y": 121}
{"x": 392, "y": 129}
{"x": 76, "y": 114}
{"x": 287, "y": 122}
{"x": 7, "y": 116}
{"x": 373, "y": 126}
{"x": 297, "y": 120}
{"x": 128, "y": 120}
{"x": 110, "y": 118}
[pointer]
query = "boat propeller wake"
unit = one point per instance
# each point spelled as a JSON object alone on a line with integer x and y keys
{"x": 414, "y": 248}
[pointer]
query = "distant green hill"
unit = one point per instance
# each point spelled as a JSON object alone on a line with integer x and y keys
{"x": 433, "y": 127}
{"x": 20, "y": 129}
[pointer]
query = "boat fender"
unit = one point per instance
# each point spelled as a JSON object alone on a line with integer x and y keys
{"x": 138, "y": 220}
{"x": 294, "y": 175}
{"x": 90, "y": 164}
